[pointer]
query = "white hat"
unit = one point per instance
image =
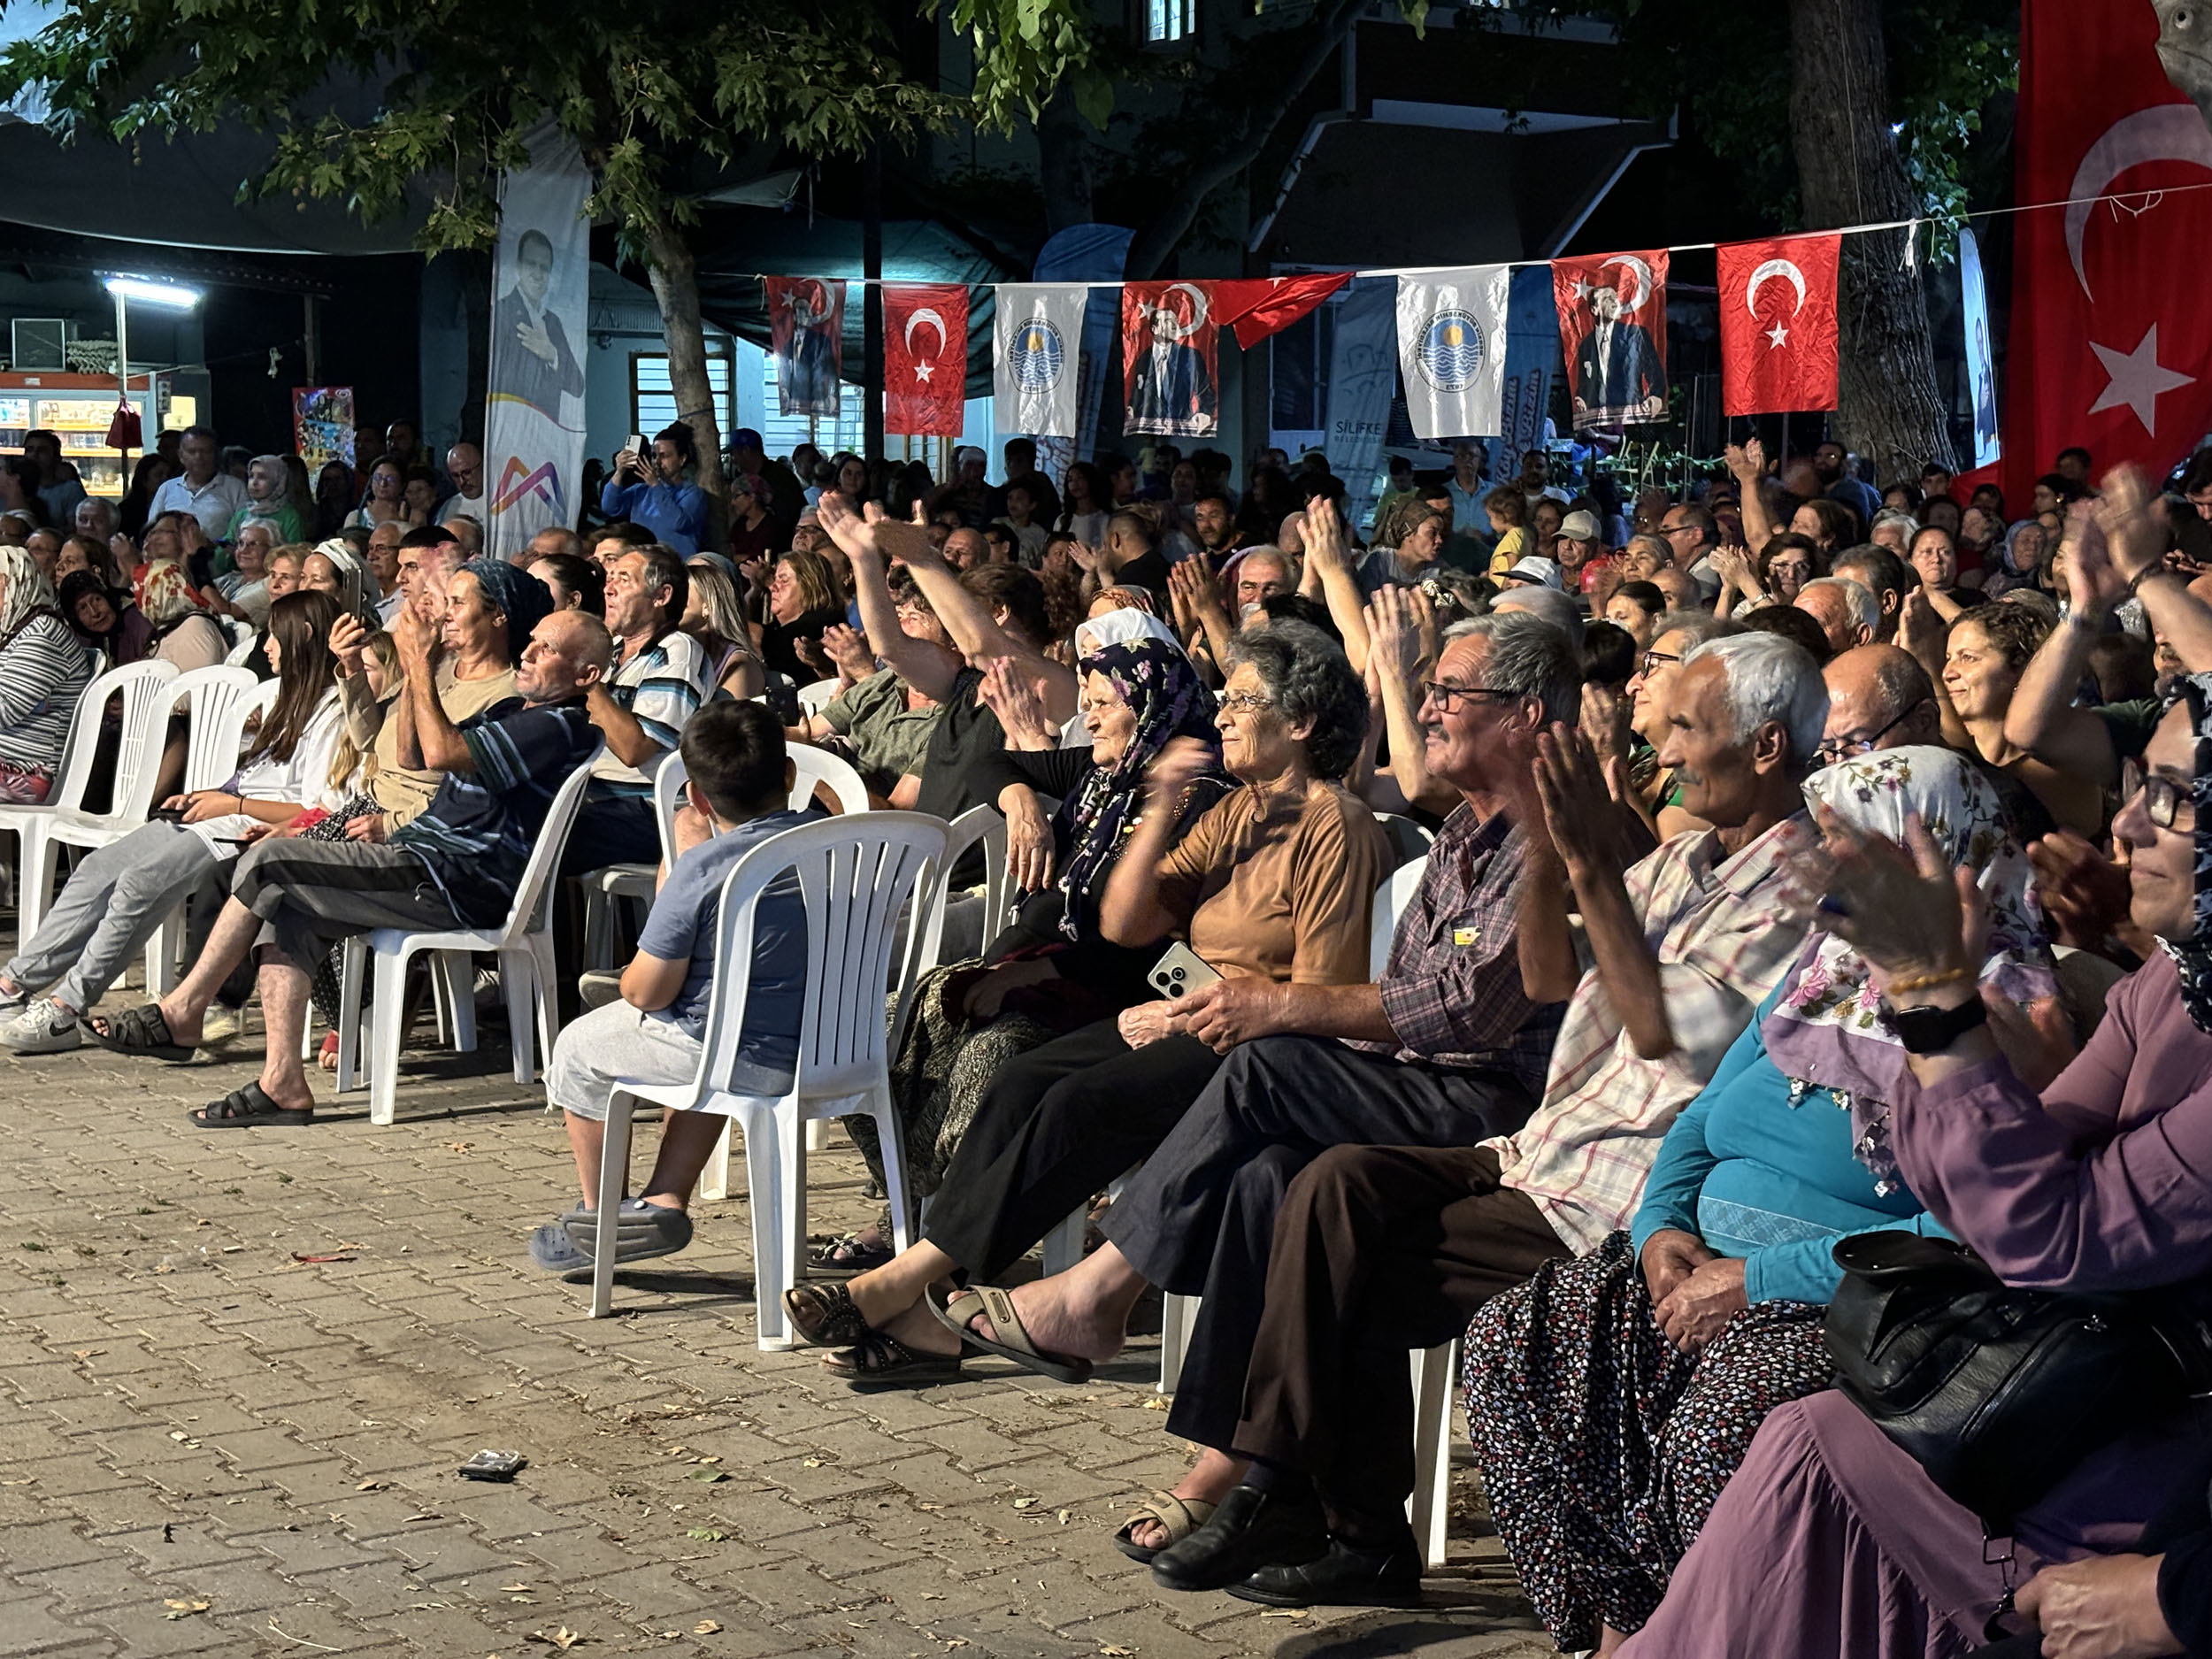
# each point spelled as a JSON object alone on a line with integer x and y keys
{"x": 1535, "y": 570}
{"x": 1581, "y": 525}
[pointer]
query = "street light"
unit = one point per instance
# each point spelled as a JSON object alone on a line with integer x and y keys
{"x": 169, "y": 295}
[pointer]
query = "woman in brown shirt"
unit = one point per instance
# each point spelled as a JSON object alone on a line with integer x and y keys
{"x": 1273, "y": 883}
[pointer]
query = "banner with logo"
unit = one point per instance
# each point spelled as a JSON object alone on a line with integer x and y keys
{"x": 1451, "y": 349}
{"x": 1779, "y": 348}
{"x": 1170, "y": 359}
{"x": 1613, "y": 335}
{"x": 1981, "y": 362}
{"x": 1363, "y": 373}
{"x": 533, "y": 415}
{"x": 926, "y": 358}
{"x": 806, "y": 336}
{"x": 1038, "y": 332}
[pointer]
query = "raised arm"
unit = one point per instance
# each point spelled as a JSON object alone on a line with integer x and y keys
{"x": 926, "y": 666}
{"x": 1326, "y": 553}
{"x": 1747, "y": 462}
{"x": 1922, "y": 630}
{"x": 2136, "y": 545}
{"x": 2042, "y": 718}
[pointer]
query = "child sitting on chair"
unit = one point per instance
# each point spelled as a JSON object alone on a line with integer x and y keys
{"x": 740, "y": 782}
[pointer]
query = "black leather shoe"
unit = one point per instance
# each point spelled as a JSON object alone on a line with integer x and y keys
{"x": 1252, "y": 1528}
{"x": 1340, "y": 1577}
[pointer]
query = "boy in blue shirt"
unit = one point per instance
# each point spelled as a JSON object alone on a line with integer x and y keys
{"x": 740, "y": 781}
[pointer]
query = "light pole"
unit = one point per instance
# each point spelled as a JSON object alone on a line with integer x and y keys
{"x": 171, "y": 296}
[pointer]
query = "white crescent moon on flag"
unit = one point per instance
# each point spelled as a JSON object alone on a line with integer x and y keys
{"x": 1644, "y": 283}
{"x": 2166, "y": 132}
{"x": 1766, "y": 273}
{"x": 1197, "y": 310}
{"x": 925, "y": 315}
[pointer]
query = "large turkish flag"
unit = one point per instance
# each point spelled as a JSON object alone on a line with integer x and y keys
{"x": 2111, "y": 338}
{"x": 1777, "y": 325}
{"x": 926, "y": 358}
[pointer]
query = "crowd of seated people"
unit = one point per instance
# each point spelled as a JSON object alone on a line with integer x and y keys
{"x": 1803, "y": 862}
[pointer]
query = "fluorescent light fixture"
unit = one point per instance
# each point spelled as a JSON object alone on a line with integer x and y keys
{"x": 175, "y": 295}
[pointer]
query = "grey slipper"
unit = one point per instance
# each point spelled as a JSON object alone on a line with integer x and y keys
{"x": 642, "y": 1230}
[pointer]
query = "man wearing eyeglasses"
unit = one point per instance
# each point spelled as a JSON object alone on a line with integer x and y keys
{"x": 1692, "y": 535}
{"x": 1879, "y": 697}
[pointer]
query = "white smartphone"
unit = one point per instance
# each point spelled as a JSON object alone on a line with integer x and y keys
{"x": 636, "y": 444}
{"x": 1181, "y": 969}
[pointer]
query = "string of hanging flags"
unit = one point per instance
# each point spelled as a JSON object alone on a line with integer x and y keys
{"x": 1778, "y": 333}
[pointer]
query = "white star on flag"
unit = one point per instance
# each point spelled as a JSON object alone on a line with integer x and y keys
{"x": 2138, "y": 379}
{"x": 1779, "y": 334}
{"x": 1582, "y": 292}
{"x": 922, "y": 370}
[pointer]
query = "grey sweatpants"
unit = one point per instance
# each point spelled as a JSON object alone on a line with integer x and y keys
{"x": 110, "y": 908}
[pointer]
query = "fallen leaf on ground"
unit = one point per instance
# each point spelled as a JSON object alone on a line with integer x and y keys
{"x": 1155, "y": 1403}
{"x": 298, "y": 1257}
{"x": 1111, "y": 1652}
{"x": 710, "y": 1476}
{"x": 369, "y": 1486}
{"x": 512, "y": 1588}
{"x": 705, "y": 1627}
{"x": 1063, "y": 1516}
{"x": 562, "y": 1637}
{"x": 463, "y": 1146}
{"x": 232, "y": 1249}
{"x": 1025, "y": 1503}
{"x": 182, "y": 1609}
{"x": 1283, "y": 1612}
{"x": 707, "y": 1534}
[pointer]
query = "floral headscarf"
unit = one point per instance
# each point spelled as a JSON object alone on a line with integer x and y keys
{"x": 2193, "y": 955}
{"x": 1158, "y": 681}
{"x": 1828, "y": 1028}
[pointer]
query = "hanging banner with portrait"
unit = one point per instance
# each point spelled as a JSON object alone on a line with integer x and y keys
{"x": 806, "y": 335}
{"x": 1613, "y": 335}
{"x": 1170, "y": 359}
{"x": 533, "y": 415}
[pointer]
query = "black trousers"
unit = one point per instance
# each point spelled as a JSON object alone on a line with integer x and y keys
{"x": 1199, "y": 1219}
{"x": 1378, "y": 1250}
{"x": 1057, "y": 1124}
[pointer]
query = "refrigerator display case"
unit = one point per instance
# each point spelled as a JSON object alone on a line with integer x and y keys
{"x": 77, "y": 409}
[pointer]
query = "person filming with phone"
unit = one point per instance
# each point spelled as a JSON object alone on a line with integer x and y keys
{"x": 652, "y": 487}
{"x": 1269, "y": 889}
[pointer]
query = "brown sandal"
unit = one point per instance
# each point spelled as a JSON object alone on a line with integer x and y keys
{"x": 823, "y": 1315}
{"x": 878, "y": 1361}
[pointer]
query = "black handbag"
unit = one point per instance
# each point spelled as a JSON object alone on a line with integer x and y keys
{"x": 1998, "y": 1393}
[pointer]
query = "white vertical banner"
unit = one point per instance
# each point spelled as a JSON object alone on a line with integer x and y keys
{"x": 1981, "y": 361}
{"x": 1039, "y": 337}
{"x": 533, "y": 415}
{"x": 1363, "y": 373}
{"x": 1451, "y": 349}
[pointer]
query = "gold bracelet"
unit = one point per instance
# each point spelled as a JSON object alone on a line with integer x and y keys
{"x": 1928, "y": 981}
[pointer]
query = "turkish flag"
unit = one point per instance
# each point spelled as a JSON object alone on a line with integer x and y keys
{"x": 2111, "y": 343}
{"x": 925, "y": 359}
{"x": 1777, "y": 325}
{"x": 1257, "y": 307}
{"x": 1613, "y": 335}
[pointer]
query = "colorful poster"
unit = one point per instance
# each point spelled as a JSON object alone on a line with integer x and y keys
{"x": 1778, "y": 345}
{"x": 926, "y": 358}
{"x": 1451, "y": 349}
{"x": 1170, "y": 378}
{"x": 534, "y": 417}
{"x": 806, "y": 335}
{"x": 322, "y": 425}
{"x": 1613, "y": 335}
{"x": 1038, "y": 333}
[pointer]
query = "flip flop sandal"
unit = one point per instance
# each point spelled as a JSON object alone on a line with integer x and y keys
{"x": 139, "y": 1031}
{"x": 1182, "y": 1517}
{"x": 877, "y": 1361}
{"x": 247, "y": 1108}
{"x": 1012, "y": 1342}
{"x": 847, "y": 1255}
{"x": 824, "y": 1316}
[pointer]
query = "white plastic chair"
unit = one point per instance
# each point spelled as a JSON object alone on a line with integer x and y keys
{"x": 605, "y": 888}
{"x": 524, "y": 949}
{"x": 818, "y": 767}
{"x": 1435, "y": 1371}
{"x": 222, "y": 700}
{"x": 814, "y": 698}
{"x": 241, "y": 651}
{"x": 1408, "y": 840}
{"x": 144, "y": 690}
{"x": 855, "y": 875}
{"x": 1075, "y": 734}
{"x": 923, "y": 944}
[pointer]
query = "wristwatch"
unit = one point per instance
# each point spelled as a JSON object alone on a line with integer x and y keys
{"x": 1932, "y": 1030}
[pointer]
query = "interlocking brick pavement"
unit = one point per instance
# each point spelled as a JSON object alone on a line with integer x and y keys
{"x": 207, "y": 1446}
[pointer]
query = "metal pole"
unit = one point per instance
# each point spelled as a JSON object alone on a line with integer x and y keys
{"x": 308, "y": 340}
{"x": 123, "y": 379}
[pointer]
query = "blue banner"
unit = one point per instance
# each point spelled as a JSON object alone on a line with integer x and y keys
{"x": 1981, "y": 365}
{"x": 1532, "y": 358}
{"x": 1087, "y": 253}
{"x": 1362, "y": 374}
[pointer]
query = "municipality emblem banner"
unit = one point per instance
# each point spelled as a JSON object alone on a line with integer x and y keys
{"x": 1451, "y": 349}
{"x": 1038, "y": 336}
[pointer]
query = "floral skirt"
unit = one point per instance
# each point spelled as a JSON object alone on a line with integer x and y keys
{"x": 1602, "y": 1447}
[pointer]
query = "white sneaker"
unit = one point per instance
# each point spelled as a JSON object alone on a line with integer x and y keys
{"x": 44, "y": 1027}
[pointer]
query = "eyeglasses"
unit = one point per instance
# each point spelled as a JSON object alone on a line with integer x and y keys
{"x": 1447, "y": 697}
{"x": 1841, "y": 748}
{"x": 1246, "y": 702}
{"x": 1652, "y": 659}
{"x": 1679, "y": 529}
{"x": 2162, "y": 798}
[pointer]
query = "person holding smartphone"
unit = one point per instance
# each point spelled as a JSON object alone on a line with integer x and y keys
{"x": 651, "y": 487}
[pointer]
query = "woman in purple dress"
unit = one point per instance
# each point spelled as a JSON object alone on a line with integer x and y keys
{"x": 1830, "y": 1541}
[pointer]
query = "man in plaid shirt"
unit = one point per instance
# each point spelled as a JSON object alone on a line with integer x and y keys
{"x": 1444, "y": 1049}
{"x": 1383, "y": 1248}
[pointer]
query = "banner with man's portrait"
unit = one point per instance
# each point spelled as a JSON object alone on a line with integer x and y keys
{"x": 534, "y": 416}
{"x": 1613, "y": 335}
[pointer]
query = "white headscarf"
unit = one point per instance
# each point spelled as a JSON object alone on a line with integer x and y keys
{"x": 1120, "y": 628}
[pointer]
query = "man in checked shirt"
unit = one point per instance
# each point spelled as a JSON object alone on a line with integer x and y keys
{"x": 1445, "y": 1050}
{"x": 1383, "y": 1248}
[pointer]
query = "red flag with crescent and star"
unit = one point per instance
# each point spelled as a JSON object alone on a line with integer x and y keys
{"x": 2111, "y": 343}
{"x": 1777, "y": 325}
{"x": 1613, "y": 335}
{"x": 1169, "y": 358}
{"x": 926, "y": 358}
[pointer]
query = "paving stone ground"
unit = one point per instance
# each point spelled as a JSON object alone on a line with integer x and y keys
{"x": 210, "y": 1446}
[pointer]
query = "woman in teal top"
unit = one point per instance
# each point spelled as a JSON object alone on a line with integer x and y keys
{"x": 1610, "y": 1398}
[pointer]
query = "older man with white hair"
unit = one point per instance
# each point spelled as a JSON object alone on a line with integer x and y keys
{"x": 1379, "y": 1249}
{"x": 1847, "y": 611}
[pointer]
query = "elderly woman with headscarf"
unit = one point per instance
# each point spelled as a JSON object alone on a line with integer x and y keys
{"x": 105, "y": 618}
{"x": 1831, "y": 1541}
{"x": 1610, "y": 1398}
{"x": 43, "y": 671}
{"x": 335, "y": 569}
{"x": 1050, "y": 971}
{"x": 2018, "y": 562}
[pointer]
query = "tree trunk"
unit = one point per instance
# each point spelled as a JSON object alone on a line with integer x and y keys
{"x": 1064, "y": 145}
{"x": 1849, "y": 172}
{"x": 675, "y": 277}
